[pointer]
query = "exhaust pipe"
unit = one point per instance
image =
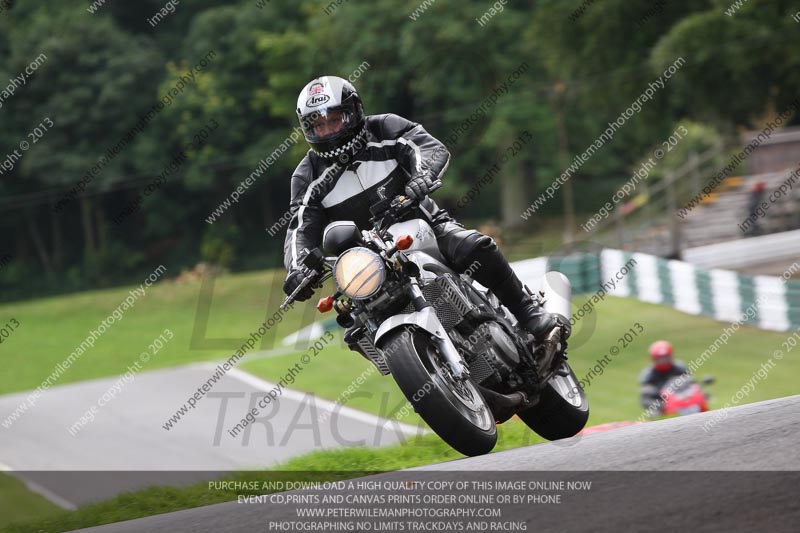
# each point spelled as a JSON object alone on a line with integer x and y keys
{"x": 504, "y": 406}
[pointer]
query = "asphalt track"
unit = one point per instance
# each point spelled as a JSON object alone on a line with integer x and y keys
{"x": 127, "y": 433}
{"x": 671, "y": 475}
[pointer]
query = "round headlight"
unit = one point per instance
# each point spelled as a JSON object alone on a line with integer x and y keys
{"x": 359, "y": 273}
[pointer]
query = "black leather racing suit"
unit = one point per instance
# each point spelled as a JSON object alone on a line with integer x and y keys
{"x": 652, "y": 381}
{"x": 396, "y": 150}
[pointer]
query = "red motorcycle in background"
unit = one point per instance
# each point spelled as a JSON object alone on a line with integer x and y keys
{"x": 684, "y": 396}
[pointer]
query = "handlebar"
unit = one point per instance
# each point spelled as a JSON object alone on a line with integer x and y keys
{"x": 312, "y": 270}
{"x": 303, "y": 284}
{"x": 386, "y": 212}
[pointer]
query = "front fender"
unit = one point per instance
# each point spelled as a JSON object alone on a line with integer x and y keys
{"x": 425, "y": 319}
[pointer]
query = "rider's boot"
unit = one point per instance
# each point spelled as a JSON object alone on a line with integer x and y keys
{"x": 548, "y": 329}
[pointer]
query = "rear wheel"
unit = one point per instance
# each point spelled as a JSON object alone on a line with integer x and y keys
{"x": 563, "y": 409}
{"x": 454, "y": 409}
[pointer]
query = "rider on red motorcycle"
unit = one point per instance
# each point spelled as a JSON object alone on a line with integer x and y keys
{"x": 654, "y": 378}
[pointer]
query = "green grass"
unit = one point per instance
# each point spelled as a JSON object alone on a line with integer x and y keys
{"x": 17, "y": 502}
{"x": 50, "y": 328}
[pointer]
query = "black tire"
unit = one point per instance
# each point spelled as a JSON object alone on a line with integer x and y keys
{"x": 563, "y": 409}
{"x": 461, "y": 417}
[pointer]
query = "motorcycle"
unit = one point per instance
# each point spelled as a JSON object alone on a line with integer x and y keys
{"x": 682, "y": 395}
{"x": 461, "y": 359}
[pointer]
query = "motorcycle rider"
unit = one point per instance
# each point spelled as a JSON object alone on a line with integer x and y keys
{"x": 356, "y": 161}
{"x": 654, "y": 377}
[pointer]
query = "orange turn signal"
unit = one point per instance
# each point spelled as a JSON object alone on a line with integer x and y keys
{"x": 404, "y": 242}
{"x": 325, "y": 304}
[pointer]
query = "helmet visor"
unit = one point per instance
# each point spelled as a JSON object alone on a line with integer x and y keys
{"x": 662, "y": 362}
{"x": 325, "y": 124}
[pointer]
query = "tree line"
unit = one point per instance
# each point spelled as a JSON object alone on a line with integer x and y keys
{"x": 131, "y": 169}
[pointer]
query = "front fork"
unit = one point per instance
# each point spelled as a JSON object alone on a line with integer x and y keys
{"x": 434, "y": 326}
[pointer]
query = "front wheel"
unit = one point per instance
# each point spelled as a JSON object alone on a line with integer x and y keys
{"x": 455, "y": 410}
{"x": 563, "y": 409}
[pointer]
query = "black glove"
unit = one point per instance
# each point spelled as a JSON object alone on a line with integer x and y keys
{"x": 294, "y": 279}
{"x": 419, "y": 186}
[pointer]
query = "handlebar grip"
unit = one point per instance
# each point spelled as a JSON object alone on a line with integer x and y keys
{"x": 302, "y": 285}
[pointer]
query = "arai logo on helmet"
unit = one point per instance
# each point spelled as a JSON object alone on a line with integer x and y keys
{"x": 316, "y": 95}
